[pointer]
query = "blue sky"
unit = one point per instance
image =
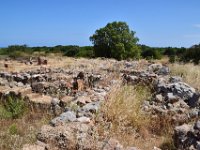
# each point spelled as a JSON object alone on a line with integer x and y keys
{"x": 71, "y": 22}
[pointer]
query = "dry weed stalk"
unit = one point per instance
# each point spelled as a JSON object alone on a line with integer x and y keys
{"x": 189, "y": 72}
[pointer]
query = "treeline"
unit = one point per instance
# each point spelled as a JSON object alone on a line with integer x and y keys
{"x": 115, "y": 40}
{"x": 192, "y": 54}
{"x": 175, "y": 54}
{"x": 70, "y": 50}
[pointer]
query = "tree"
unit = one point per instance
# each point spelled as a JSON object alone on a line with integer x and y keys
{"x": 192, "y": 54}
{"x": 150, "y": 52}
{"x": 115, "y": 40}
{"x": 170, "y": 51}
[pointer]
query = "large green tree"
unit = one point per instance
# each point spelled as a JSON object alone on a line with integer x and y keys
{"x": 115, "y": 40}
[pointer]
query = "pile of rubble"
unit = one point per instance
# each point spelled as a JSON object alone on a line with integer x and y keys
{"x": 74, "y": 96}
{"x": 176, "y": 98}
{"x": 75, "y": 127}
{"x": 187, "y": 136}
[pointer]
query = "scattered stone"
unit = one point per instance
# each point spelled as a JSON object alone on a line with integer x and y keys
{"x": 65, "y": 117}
{"x": 33, "y": 147}
{"x": 132, "y": 148}
{"x": 175, "y": 79}
{"x": 67, "y": 99}
{"x": 197, "y": 125}
{"x": 112, "y": 144}
{"x": 55, "y": 101}
{"x": 51, "y": 88}
{"x": 83, "y": 119}
{"x": 91, "y": 107}
{"x": 68, "y": 136}
{"x": 82, "y": 100}
{"x": 187, "y": 136}
{"x": 159, "y": 98}
{"x": 171, "y": 98}
{"x": 158, "y": 69}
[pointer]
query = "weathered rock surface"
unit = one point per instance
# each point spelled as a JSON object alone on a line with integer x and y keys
{"x": 187, "y": 136}
{"x": 51, "y": 89}
{"x": 67, "y": 137}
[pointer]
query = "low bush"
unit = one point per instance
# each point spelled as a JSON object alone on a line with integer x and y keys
{"x": 4, "y": 114}
{"x": 15, "y": 106}
{"x": 13, "y": 129}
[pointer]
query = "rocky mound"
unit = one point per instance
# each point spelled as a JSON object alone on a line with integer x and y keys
{"x": 74, "y": 96}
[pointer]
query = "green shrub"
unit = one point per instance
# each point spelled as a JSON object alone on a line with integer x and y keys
{"x": 4, "y": 114}
{"x": 13, "y": 129}
{"x": 86, "y": 51}
{"x": 71, "y": 51}
{"x": 172, "y": 59}
{"x": 15, "y": 106}
{"x": 151, "y": 53}
{"x": 192, "y": 55}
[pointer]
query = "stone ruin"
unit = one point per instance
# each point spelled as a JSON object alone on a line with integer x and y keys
{"x": 74, "y": 97}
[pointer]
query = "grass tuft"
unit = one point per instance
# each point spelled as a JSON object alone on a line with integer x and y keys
{"x": 125, "y": 120}
{"x": 124, "y": 107}
{"x": 189, "y": 72}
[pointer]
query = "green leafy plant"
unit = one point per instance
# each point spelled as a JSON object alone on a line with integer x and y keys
{"x": 4, "y": 114}
{"x": 15, "y": 106}
{"x": 13, "y": 129}
{"x": 172, "y": 59}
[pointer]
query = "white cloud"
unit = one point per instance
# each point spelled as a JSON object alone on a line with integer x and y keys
{"x": 197, "y": 25}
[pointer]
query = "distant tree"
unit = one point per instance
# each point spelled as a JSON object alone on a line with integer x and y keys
{"x": 17, "y": 51}
{"x": 180, "y": 51}
{"x": 172, "y": 59}
{"x": 115, "y": 40}
{"x": 150, "y": 52}
{"x": 169, "y": 51}
{"x": 86, "y": 51}
{"x": 192, "y": 54}
{"x": 71, "y": 51}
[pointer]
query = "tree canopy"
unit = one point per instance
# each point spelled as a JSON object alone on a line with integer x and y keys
{"x": 115, "y": 40}
{"x": 192, "y": 54}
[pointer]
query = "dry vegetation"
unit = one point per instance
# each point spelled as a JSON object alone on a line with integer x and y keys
{"x": 55, "y": 61}
{"x": 126, "y": 121}
{"x": 123, "y": 117}
{"x": 189, "y": 72}
{"x": 123, "y": 107}
{"x": 14, "y": 133}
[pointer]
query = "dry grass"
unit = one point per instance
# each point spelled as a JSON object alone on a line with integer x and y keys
{"x": 124, "y": 120}
{"x": 164, "y": 60}
{"x": 190, "y": 73}
{"x": 53, "y": 62}
{"x": 56, "y": 61}
{"x": 15, "y": 133}
{"x": 124, "y": 107}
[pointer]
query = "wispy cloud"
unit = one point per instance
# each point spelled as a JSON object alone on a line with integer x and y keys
{"x": 197, "y": 25}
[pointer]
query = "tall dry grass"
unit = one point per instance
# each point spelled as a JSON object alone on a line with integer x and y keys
{"x": 125, "y": 120}
{"x": 124, "y": 107}
{"x": 189, "y": 72}
{"x": 14, "y": 133}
